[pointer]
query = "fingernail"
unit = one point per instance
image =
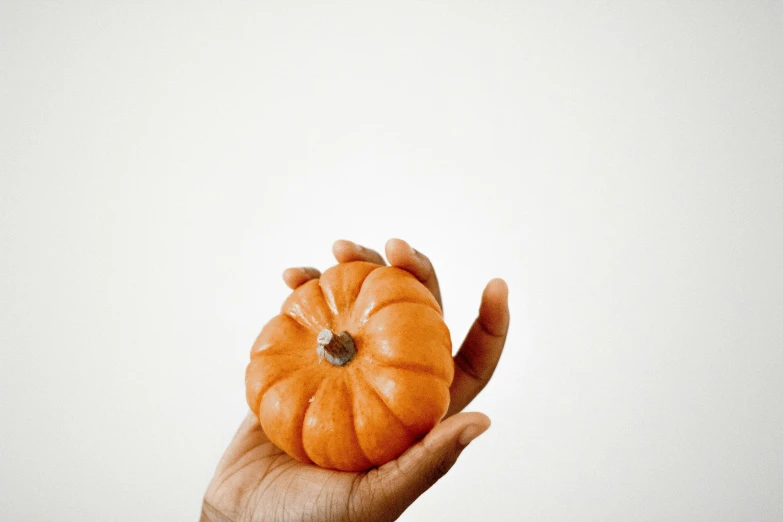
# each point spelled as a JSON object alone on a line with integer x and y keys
{"x": 470, "y": 433}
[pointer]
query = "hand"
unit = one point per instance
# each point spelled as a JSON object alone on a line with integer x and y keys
{"x": 256, "y": 481}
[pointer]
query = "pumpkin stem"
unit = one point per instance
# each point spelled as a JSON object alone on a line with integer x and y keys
{"x": 339, "y": 349}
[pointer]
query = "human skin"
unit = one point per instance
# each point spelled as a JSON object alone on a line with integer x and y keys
{"x": 256, "y": 481}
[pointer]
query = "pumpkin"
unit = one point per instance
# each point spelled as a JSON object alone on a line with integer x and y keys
{"x": 354, "y": 370}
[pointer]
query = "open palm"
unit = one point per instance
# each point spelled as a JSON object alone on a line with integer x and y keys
{"x": 255, "y": 480}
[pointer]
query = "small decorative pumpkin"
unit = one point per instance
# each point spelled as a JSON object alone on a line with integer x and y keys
{"x": 354, "y": 370}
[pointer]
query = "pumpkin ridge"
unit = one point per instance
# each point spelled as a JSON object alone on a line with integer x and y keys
{"x": 361, "y": 288}
{"x": 366, "y": 318}
{"x": 304, "y": 418}
{"x": 287, "y": 377}
{"x": 355, "y": 429}
{"x": 275, "y": 358}
{"x": 268, "y": 342}
{"x": 279, "y": 350}
{"x": 383, "y": 400}
{"x": 389, "y": 362}
{"x": 297, "y": 321}
{"x": 364, "y": 281}
{"x": 412, "y": 367}
{"x": 330, "y": 304}
{"x": 356, "y": 384}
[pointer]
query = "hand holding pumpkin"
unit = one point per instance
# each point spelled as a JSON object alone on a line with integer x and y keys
{"x": 256, "y": 480}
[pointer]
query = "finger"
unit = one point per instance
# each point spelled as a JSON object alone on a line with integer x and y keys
{"x": 480, "y": 352}
{"x": 402, "y": 255}
{"x": 398, "y": 483}
{"x": 296, "y": 277}
{"x": 346, "y": 251}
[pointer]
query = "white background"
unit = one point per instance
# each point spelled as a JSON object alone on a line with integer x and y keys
{"x": 620, "y": 164}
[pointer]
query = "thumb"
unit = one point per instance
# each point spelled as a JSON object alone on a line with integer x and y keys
{"x": 421, "y": 466}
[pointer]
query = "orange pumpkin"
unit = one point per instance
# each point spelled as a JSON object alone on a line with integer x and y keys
{"x": 354, "y": 370}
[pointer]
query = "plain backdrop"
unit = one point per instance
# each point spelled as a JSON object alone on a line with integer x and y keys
{"x": 620, "y": 164}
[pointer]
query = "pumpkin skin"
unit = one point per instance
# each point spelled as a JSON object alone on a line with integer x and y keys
{"x": 393, "y": 391}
